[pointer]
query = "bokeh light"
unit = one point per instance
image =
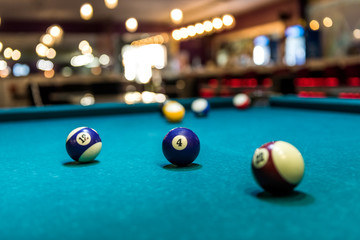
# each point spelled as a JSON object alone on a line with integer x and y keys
{"x": 191, "y": 30}
{"x": 8, "y": 53}
{"x": 131, "y": 25}
{"x": 356, "y": 33}
{"x": 228, "y": 20}
{"x": 51, "y": 53}
{"x": 314, "y": 25}
{"x": 49, "y": 73}
{"x": 41, "y": 50}
{"x": 176, "y": 34}
{"x": 55, "y": 31}
{"x": 47, "y": 39}
{"x": 199, "y": 28}
{"x": 176, "y": 16}
{"x": 217, "y": 23}
{"x": 111, "y": 4}
{"x": 86, "y": 11}
{"x": 208, "y": 26}
{"x": 1, "y": 46}
{"x": 16, "y": 55}
{"x": 44, "y": 65}
{"x": 327, "y": 22}
{"x": 86, "y": 49}
{"x": 83, "y": 44}
{"x": 3, "y": 65}
{"x": 184, "y": 33}
{"x": 21, "y": 70}
{"x": 104, "y": 59}
{"x": 5, "y": 73}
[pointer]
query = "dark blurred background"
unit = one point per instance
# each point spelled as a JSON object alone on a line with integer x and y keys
{"x": 78, "y": 52}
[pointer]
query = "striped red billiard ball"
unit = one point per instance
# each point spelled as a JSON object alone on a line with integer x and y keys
{"x": 278, "y": 167}
{"x": 241, "y": 101}
{"x": 83, "y": 144}
{"x": 181, "y": 146}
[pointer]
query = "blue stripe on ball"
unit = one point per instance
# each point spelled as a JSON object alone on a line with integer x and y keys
{"x": 74, "y": 149}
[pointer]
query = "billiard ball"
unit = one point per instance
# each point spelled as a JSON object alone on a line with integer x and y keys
{"x": 83, "y": 144}
{"x": 200, "y": 107}
{"x": 174, "y": 111}
{"x": 181, "y": 146}
{"x": 241, "y": 101}
{"x": 277, "y": 167}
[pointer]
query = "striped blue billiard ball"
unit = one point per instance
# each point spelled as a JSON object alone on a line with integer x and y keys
{"x": 83, "y": 144}
{"x": 181, "y": 146}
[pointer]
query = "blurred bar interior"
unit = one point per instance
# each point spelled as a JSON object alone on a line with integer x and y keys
{"x": 78, "y": 52}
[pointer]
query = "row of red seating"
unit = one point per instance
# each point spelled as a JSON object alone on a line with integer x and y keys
{"x": 312, "y": 94}
{"x": 316, "y": 82}
{"x": 240, "y": 82}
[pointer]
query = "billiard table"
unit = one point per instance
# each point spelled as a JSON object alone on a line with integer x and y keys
{"x": 132, "y": 192}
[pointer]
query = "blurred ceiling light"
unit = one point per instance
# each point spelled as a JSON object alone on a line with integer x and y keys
{"x": 41, "y": 50}
{"x": 228, "y": 20}
{"x": 176, "y": 16}
{"x": 356, "y": 33}
{"x": 8, "y": 53}
{"x": 67, "y": 71}
{"x": 160, "y": 98}
{"x": 4, "y": 73}
{"x": 191, "y": 30}
{"x": 21, "y": 70}
{"x": 148, "y": 97}
{"x": 94, "y": 63}
{"x": 49, "y": 73}
{"x": 104, "y": 59}
{"x": 176, "y": 34}
{"x": 47, "y": 39}
{"x": 131, "y": 25}
{"x": 87, "y": 100}
{"x": 327, "y": 22}
{"x": 217, "y": 23}
{"x": 208, "y": 26}
{"x": 16, "y": 55}
{"x": 111, "y": 4}
{"x": 44, "y": 65}
{"x": 81, "y": 60}
{"x": 51, "y": 53}
{"x": 96, "y": 71}
{"x": 3, "y": 65}
{"x": 184, "y": 33}
{"x": 86, "y": 49}
{"x": 314, "y": 25}
{"x": 1, "y": 46}
{"x": 86, "y": 11}
{"x": 83, "y": 44}
{"x": 55, "y": 31}
{"x": 199, "y": 28}
{"x": 132, "y": 97}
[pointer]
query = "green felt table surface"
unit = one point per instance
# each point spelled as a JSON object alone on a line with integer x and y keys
{"x": 132, "y": 192}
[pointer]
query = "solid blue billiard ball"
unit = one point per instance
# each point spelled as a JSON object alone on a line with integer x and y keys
{"x": 83, "y": 144}
{"x": 200, "y": 107}
{"x": 181, "y": 146}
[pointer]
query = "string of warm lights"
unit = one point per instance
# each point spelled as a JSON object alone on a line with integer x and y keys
{"x": 206, "y": 27}
{"x": 157, "y": 39}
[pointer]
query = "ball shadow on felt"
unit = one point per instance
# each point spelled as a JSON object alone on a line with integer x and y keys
{"x": 81, "y": 164}
{"x": 293, "y": 198}
{"x": 190, "y": 167}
